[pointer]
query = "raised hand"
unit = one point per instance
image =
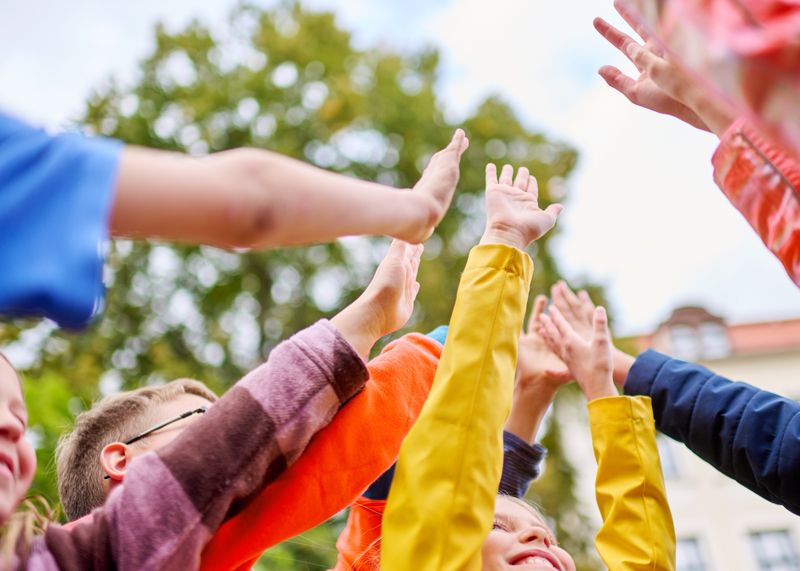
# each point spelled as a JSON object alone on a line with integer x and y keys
{"x": 578, "y": 311}
{"x": 661, "y": 86}
{"x": 513, "y": 216}
{"x": 645, "y": 91}
{"x": 387, "y": 302}
{"x": 537, "y": 364}
{"x": 437, "y": 185}
{"x": 589, "y": 360}
{"x": 540, "y": 373}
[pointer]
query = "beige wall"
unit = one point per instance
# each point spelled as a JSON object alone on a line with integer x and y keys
{"x": 706, "y": 504}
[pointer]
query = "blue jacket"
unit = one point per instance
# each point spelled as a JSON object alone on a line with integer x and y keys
{"x": 746, "y": 433}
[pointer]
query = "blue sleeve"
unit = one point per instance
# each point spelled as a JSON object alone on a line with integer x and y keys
{"x": 55, "y": 199}
{"x": 521, "y": 465}
{"x": 749, "y": 434}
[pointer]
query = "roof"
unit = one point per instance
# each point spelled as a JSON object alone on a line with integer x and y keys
{"x": 744, "y": 338}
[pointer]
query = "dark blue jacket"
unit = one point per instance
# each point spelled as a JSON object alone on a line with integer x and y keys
{"x": 746, "y": 433}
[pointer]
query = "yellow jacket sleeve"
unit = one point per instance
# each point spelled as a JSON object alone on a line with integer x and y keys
{"x": 637, "y": 530}
{"x": 441, "y": 503}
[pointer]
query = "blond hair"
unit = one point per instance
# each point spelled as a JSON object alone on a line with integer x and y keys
{"x": 112, "y": 419}
{"x": 31, "y": 519}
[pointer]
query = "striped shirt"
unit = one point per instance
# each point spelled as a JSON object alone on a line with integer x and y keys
{"x": 175, "y": 498}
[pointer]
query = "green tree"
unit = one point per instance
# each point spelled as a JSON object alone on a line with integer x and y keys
{"x": 290, "y": 80}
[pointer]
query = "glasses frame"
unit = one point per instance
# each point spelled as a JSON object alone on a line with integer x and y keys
{"x": 200, "y": 410}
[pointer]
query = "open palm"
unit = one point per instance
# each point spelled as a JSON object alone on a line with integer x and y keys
{"x": 512, "y": 207}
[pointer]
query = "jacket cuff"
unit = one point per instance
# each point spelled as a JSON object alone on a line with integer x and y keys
{"x": 643, "y": 373}
{"x": 521, "y": 465}
{"x": 620, "y": 410}
{"x": 332, "y": 353}
{"x": 501, "y": 257}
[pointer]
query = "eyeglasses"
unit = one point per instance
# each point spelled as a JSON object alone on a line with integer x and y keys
{"x": 160, "y": 425}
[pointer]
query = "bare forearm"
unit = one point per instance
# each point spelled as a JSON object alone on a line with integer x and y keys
{"x": 528, "y": 410}
{"x": 253, "y": 198}
{"x": 622, "y": 365}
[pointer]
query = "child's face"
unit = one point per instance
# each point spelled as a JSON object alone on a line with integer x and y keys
{"x": 17, "y": 459}
{"x": 521, "y": 540}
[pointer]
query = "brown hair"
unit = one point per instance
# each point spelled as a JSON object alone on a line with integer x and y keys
{"x": 112, "y": 419}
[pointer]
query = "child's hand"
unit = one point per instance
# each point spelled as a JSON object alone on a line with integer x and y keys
{"x": 537, "y": 365}
{"x": 387, "y": 303}
{"x": 540, "y": 373}
{"x": 588, "y": 360}
{"x": 434, "y": 190}
{"x": 578, "y": 311}
{"x": 513, "y": 216}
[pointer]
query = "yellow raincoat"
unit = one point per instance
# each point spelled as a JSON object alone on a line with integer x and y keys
{"x": 441, "y": 505}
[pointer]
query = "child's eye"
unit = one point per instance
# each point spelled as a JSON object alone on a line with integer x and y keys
{"x": 499, "y": 526}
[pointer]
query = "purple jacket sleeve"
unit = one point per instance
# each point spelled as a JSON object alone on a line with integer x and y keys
{"x": 174, "y": 499}
{"x": 748, "y": 434}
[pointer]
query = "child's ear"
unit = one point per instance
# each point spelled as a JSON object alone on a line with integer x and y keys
{"x": 115, "y": 459}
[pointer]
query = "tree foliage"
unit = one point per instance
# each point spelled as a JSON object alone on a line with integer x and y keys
{"x": 289, "y": 80}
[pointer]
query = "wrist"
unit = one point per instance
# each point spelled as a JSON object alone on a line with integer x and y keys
{"x": 504, "y": 235}
{"x": 622, "y": 363}
{"x": 358, "y": 323}
{"x": 603, "y": 390}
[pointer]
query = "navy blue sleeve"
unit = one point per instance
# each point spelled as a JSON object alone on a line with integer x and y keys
{"x": 748, "y": 434}
{"x": 55, "y": 199}
{"x": 521, "y": 465}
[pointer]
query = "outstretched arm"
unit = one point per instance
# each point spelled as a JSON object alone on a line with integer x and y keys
{"x": 362, "y": 440}
{"x": 637, "y": 531}
{"x": 442, "y": 499}
{"x": 254, "y": 198}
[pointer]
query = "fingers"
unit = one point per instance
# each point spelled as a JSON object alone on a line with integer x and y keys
{"x": 566, "y": 301}
{"x": 586, "y": 304}
{"x": 539, "y": 305}
{"x": 506, "y": 175}
{"x": 644, "y": 59}
{"x": 553, "y": 211}
{"x": 615, "y": 37}
{"x": 459, "y": 143}
{"x": 600, "y": 325}
{"x": 619, "y": 81}
{"x": 551, "y": 335}
{"x": 491, "y": 174}
{"x": 629, "y": 17}
{"x": 523, "y": 178}
{"x": 533, "y": 188}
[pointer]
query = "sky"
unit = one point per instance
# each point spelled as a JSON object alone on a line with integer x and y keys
{"x": 643, "y": 217}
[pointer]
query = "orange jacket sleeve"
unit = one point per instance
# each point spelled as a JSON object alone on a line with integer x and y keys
{"x": 763, "y": 182}
{"x": 360, "y": 443}
{"x": 359, "y": 544}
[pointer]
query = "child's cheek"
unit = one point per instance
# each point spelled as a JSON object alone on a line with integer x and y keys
{"x": 565, "y": 558}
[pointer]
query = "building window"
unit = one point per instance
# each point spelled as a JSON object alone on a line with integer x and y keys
{"x": 685, "y": 342}
{"x": 775, "y": 551}
{"x": 669, "y": 464}
{"x": 689, "y": 556}
{"x": 714, "y": 339}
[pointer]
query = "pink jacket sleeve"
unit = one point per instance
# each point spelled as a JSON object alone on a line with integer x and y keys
{"x": 762, "y": 181}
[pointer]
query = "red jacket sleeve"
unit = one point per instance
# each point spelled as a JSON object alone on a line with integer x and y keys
{"x": 761, "y": 180}
{"x": 340, "y": 462}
